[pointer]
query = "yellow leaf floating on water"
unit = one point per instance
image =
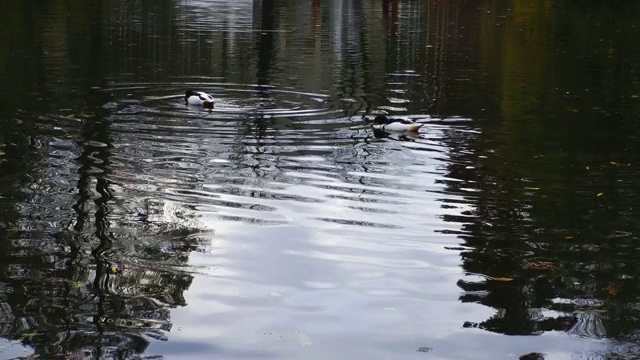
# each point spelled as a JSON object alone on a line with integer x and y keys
{"x": 502, "y": 279}
{"x": 600, "y": 194}
{"x": 619, "y": 164}
{"x": 30, "y": 335}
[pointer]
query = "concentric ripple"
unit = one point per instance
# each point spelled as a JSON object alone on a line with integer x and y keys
{"x": 233, "y": 101}
{"x": 262, "y": 156}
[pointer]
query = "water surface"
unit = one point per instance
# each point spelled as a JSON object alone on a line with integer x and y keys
{"x": 279, "y": 225}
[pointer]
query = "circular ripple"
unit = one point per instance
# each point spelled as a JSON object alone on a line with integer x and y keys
{"x": 233, "y": 101}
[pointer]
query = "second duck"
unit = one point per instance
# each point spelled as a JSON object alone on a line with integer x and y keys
{"x": 384, "y": 123}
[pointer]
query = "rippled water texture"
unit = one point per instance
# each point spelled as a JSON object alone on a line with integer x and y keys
{"x": 279, "y": 225}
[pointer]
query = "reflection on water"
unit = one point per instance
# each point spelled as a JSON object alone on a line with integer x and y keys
{"x": 279, "y": 225}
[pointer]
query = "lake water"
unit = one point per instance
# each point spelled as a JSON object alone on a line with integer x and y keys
{"x": 279, "y": 225}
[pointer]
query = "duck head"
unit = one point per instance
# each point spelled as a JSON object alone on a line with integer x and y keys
{"x": 380, "y": 120}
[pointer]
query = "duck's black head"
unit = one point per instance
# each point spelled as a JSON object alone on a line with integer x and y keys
{"x": 190, "y": 93}
{"x": 381, "y": 120}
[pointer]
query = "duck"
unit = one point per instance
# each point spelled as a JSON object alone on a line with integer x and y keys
{"x": 396, "y": 136}
{"x": 199, "y": 98}
{"x": 383, "y": 123}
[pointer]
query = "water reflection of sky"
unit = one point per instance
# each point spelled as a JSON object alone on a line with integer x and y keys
{"x": 345, "y": 240}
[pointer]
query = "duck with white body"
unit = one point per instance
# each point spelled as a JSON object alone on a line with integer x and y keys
{"x": 384, "y": 123}
{"x": 199, "y": 98}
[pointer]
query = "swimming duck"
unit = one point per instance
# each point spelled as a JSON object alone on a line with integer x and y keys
{"x": 383, "y": 123}
{"x": 198, "y": 98}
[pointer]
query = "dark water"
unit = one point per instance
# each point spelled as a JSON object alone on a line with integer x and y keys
{"x": 278, "y": 226}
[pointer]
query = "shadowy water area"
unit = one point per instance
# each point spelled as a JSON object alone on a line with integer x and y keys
{"x": 279, "y": 225}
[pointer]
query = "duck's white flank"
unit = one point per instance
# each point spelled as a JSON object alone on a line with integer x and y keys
{"x": 398, "y": 127}
{"x": 199, "y": 98}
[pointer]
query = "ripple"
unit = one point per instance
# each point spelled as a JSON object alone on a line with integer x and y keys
{"x": 264, "y": 156}
{"x": 275, "y": 195}
{"x": 233, "y": 102}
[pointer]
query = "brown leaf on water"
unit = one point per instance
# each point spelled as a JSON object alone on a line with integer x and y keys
{"x": 612, "y": 290}
{"x": 540, "y": 265}
{"x": 502, "y": 279}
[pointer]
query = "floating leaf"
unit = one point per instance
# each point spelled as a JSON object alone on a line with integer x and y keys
{"x": 540, "y": 265}
{"x": 30, "y": 336}
{"x": 568, "y": 237}
{"x": 600, "y": 194}
{"x": 612, "y": 290}
{"x": 502, "y": 279}
{"x": 531, "y": 188}
{"x": 77, "y": 284}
